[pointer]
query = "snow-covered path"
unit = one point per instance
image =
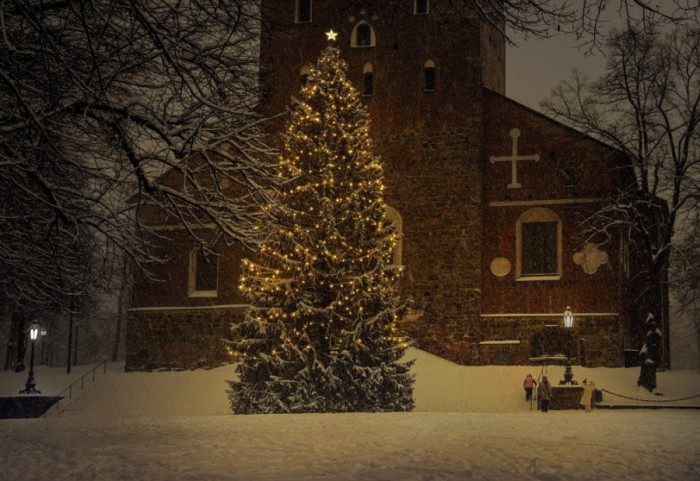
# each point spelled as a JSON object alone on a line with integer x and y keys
{"x": 601, "y": 445}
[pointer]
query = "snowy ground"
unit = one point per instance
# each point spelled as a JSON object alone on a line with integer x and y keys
{"x": 469, "y": 423}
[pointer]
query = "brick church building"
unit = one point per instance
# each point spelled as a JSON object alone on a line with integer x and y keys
{"x": 488, "y": 194}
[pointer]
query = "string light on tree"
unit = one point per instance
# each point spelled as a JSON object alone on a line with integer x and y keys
{"x": 320, "y": 335}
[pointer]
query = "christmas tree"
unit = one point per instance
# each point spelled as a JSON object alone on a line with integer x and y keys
{"x": 320, "y": 333}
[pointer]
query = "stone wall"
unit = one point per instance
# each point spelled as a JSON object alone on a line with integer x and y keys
{"x": 464, "y": 55}
{"x": 569, "y": 397}
{"x": 520, "y": 340}
{"x": 166, "y": 286}
{"x": 177, "y": 339}
{"x": 433, "y": 181}
{"x": 598, "y": 291}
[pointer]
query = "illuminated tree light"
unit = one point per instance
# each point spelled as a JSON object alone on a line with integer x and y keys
{"x": 323, "y": 284}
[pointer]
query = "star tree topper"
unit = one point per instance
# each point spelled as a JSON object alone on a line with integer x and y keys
{"x": 331, "y": 35}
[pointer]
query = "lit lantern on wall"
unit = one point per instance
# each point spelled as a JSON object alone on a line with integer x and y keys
{"x": 568, "y": 318}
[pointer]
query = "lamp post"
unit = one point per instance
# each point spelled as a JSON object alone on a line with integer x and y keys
{"x": 568, "y": 324}
{"x": 42, "y": 331}
{"x": 29, "y": 387}
{"x": 568, "y": 318}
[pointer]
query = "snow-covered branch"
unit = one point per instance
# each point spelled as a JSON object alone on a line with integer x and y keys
{"x": 107, "y": 106}
{"x": 646, "y": 107}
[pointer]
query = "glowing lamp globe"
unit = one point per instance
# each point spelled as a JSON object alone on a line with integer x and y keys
{"x": 568, "y": 318}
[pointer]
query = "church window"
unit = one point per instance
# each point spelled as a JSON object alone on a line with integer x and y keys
{"x": 429, "y": 76}
{"x": 569, "y": 178}
{"x": 392, "y": 215}
{"x": 367, "y": 80}
{"x": 538, "y": 245}
{"x": 363, "y": 35}
{"x": 303, "y": 11}
{"x": 203, "y": 275}
{"x": 420, "y": 7}
{"x": 304, "y": 72}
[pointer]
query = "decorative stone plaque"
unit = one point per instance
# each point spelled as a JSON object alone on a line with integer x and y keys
{"x": 590, "y": 258}
{"x": 500, "y": 266}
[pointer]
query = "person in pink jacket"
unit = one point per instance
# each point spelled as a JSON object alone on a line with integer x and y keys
{"x": 528, "y": 384}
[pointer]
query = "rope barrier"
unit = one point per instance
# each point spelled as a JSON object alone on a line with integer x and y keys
{"x": 651, "y": 400}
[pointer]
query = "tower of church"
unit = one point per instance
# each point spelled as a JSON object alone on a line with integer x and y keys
{"x": 421, "y": 68}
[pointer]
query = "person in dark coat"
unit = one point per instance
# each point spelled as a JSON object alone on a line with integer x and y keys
{"x": 544, "y": 393}
{"x": 528, "y": 384}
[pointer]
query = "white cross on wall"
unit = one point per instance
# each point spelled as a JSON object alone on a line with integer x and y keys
{"x": 513, "y": 159}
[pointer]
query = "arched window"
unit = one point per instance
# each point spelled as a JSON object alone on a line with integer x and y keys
{"x": 367, "y": 80}
{"x": 363, "y": 35}
{"x": 538, "y": 245}
{"x": 304, "y": 72}
{"x": 303, "y": 11}
{"x": 393, "y": 216}
{"x": 203, "y": 274}
{"x": 429, "y": 76}
{"x": 420, "y": 7}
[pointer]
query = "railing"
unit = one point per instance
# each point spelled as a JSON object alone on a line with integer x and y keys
{"x": 533, "y": 398}
{"x": 69, "y": 389}
{"x": 651, "y": 400}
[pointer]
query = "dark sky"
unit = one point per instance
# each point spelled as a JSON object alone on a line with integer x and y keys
{"x": 536, "y": 66}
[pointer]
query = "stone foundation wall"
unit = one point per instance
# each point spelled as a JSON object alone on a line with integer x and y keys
{"x": 177, "y": 339}
{"x": 568, "y": 397}
{"x": 545, "y": 336}
{"x": 452, "y": 340}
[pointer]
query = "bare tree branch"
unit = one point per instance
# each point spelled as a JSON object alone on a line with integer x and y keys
{"x": 108, "y": 106}
{"x": 646, "y": 105}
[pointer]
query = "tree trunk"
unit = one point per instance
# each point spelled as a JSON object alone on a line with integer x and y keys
{"x": 647, "y": 376}
{"x": 11, "y": 350}
{"x": 70, "y": 337}
{"x": 121, "y": 309}
{"x": 18, "y": 323}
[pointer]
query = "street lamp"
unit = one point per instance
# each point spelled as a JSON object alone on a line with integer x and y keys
{"x": 29, "y": 387}
{"x": 568, "y": 324}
